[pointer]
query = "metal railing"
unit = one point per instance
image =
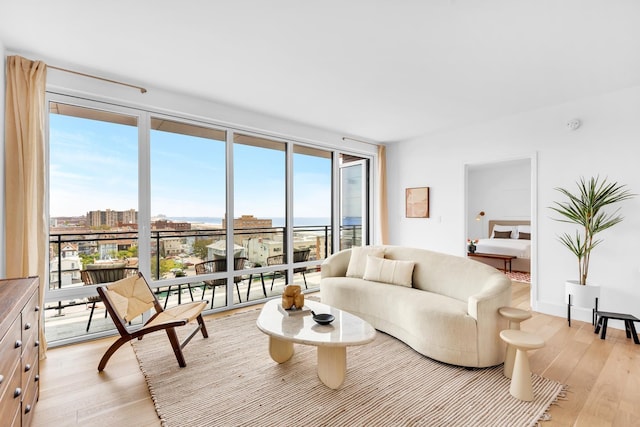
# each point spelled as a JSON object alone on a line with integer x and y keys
{"x": 88, "y": 244}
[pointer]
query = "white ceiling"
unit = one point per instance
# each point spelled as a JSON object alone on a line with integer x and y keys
{"x": 384, "y": 70}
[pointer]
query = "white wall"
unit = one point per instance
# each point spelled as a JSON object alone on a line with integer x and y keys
{"x": 606, "y": 144}
{"x": 501, "y": 190}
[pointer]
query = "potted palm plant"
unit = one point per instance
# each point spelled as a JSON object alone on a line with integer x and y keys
{"x": 586, "y": 209}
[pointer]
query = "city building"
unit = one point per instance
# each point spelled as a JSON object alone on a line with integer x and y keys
{"x": 68, "y": 264}
{"x": 111, "y": 218}
{"x": 164, "y": 224}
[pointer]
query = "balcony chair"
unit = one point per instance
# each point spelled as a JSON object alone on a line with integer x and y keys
{"x": 273, "y": 260}
{"x": 301, "y": 255}
{"x": 264, "y": 290}
{"x": 95, "y": 274}
{"x": 128, "y": 298}
{"x": 216, "y": 266}
{"x": 166, "y": 299}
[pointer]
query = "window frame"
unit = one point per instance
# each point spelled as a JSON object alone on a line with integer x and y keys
{"x": 144, "y": 116}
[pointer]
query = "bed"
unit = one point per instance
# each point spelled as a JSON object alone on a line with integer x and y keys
{"x": 507, "y": 237}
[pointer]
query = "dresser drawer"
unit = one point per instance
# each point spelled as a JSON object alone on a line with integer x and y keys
{"x": 12, "y": 394}
{"x": 29, "y": 347}
{"x": 30, "y": 397}
{"x": 9, "y": 353}
{"x": 16, "y": 418}
{"x": 30, "y": 321}
{"x": 29, "y": 369}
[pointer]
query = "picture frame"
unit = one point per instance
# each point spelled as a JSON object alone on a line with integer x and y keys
{"x": 417, "y": 202}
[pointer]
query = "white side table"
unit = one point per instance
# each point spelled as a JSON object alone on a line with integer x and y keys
{"x": 515, "y": 316}
{"x": 521, "y": 387}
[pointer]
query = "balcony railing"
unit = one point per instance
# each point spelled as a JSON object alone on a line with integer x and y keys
{"x": 172, "y": 252}
{"x": 173, "y": 255}
{"x": 170, "y": 243}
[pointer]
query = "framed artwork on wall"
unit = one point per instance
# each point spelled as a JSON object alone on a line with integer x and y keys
{"x": 417, "y": 202}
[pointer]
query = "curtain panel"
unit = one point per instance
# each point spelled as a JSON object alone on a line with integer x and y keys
{"x": 25, "y": 217}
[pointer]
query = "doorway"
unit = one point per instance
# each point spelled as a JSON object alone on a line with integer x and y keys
{"x": 503, "y": 190}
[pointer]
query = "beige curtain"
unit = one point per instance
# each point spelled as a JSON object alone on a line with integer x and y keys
{"x": 25, "y": 220}
{"x": 382, "y": 194}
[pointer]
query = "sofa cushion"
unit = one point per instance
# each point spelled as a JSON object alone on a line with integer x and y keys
{"x": 434, "y": 272}
{"x": 395, "y": 272}
{"x": 358, "y": 260}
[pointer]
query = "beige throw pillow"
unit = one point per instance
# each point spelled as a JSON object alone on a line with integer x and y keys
{"x": 358, "y": 260}
{"x": 389, "y": 271}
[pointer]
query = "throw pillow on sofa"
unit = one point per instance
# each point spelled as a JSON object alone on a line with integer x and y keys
{"x": 395, "y": 272}
{"x": 358, "y": 260}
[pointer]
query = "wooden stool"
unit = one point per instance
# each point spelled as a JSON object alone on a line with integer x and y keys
{"x": 602, "y": 320}
{"x": 515, "y": 316}
{"x": 522, "y": 341}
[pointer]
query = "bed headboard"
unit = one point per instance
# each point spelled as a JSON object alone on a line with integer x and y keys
{"x": 493, "y": 222}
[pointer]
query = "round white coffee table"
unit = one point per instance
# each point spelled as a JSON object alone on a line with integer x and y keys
{"x": 331, "y": 340}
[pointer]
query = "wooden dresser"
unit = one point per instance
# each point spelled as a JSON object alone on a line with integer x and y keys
{"x": 19, "y": 369}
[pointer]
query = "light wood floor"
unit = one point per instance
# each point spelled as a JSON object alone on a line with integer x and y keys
{"x": 603, "y": 378}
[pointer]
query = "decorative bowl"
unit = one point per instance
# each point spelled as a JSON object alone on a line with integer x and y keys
{"x": 323, "y": 318}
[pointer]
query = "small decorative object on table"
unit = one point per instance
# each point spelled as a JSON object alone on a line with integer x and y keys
{"x": 471, "y": 245}
{"x": 292, "y": 296}
{"x": 322, "y": 318}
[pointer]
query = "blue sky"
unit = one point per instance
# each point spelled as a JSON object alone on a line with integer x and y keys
{"x": 94, "y": 166}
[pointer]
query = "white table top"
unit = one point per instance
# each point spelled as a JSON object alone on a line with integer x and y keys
{"x": 345, "y": 330}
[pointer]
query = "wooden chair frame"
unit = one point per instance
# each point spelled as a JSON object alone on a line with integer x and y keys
{"x": 162, "y": 320}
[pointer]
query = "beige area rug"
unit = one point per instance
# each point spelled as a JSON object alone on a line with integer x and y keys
{"x": 230, "y": 380}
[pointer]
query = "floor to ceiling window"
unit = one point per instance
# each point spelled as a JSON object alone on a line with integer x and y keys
{"x": 202, "y": 211}
{"x": 93, "y": 211}
{"x": 312, "y": 205}
{"x": 259, "y": 204}
{"x": 187, "y": 204}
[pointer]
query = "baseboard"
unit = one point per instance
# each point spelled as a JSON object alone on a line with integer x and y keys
{"x": 577, "y": 313}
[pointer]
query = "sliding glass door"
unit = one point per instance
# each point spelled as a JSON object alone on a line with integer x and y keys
{"x": 354, "y": 201}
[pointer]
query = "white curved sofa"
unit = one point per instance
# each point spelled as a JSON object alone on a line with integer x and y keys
{"x": 449, "y": 311}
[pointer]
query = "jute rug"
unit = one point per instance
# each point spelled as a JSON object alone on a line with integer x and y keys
{"x": 230, "y": 380}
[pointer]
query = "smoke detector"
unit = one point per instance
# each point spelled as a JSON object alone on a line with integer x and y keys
{"x": 574, "y": 124}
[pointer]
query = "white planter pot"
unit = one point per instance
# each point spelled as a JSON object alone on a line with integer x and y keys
{"x": 584, "y": 296}
{"x": 581, "y": 295}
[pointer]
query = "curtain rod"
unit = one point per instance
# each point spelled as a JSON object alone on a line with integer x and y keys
{"x": 344, "y": 138}
{"x": 141, "y": 89}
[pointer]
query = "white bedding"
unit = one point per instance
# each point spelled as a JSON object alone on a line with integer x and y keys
{"x": 516, "y": 247}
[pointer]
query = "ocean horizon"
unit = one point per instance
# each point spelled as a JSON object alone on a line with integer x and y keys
{"x": 276, "y": 222}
